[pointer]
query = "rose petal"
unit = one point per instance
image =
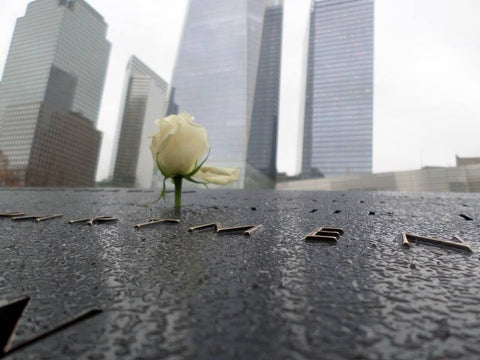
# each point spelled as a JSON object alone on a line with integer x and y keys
{"x": 218, "y": 175}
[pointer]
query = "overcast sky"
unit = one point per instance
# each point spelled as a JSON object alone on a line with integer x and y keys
{"x": 427, "y": 73}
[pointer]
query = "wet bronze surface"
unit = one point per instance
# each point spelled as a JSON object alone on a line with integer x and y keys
{"x": 169, "y": 293}
{"x": 11, "y": 317}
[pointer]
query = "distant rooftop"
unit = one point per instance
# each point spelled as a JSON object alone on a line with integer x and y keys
{"x": 465, "y": 161}
{"x": 138, "y": 66}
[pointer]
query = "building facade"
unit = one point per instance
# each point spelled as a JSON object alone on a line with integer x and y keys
{"x": 262, "y": 139}
{"x": 466, "y": 161}
{"x": 215, "y": 77}
{"x": 144, "y": 100}
{"x": 338, "y": 128}
{"x": 53, "y": 76}
{"x": 465, "y": 178}
{"x": 65, "y": 152}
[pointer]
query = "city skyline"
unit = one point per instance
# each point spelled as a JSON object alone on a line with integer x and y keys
{"x": 425, "y": 74}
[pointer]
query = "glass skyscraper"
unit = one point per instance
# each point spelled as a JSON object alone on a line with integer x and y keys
{"x": 262, "y": 141}
{"x": 68, "y": 34}
{"x": 338, "y": 127}
{"x": 144, "y": 100}
{"x": 54, "y": 74}
{"x": 215, "y": 78}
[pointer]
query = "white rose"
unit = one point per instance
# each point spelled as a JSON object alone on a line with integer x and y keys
{"x": 179, "y": 145}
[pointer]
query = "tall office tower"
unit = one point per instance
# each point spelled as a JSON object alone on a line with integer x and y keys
{"x": 262, "y": 141}
{"x": 216, "y": 72}
{"x": 55, "y": 71}
{"x": 68, "y": 34}
{"x": 144, "y": 100}
{"x": 339, "y": 100}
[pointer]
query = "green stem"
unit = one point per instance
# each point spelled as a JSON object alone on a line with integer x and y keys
{"x": 178, "y": 191}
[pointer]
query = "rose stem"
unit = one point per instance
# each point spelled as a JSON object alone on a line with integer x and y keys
{"x": 178, "y": 191}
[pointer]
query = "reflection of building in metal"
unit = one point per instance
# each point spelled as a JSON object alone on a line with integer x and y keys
{"x": 215, "y": 78}
{"x": 456, "y": 179}
{"x": 338, "y": 127}
{"x": 144, "y": 100}
{"x": 53, "y": 76}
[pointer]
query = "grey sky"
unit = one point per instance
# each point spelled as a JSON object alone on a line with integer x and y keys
{"x": 427, "y": 73}
{"x": 427, "y": 82}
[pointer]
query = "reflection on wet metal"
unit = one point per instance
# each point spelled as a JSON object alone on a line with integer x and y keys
{"x": 49, "y": 217}
{"x": 250, "y": 231}
{"x": 335, "y": 234}
{"x": 339, "y": 230}
{"x": 213, "y": 226}
{"x": 12, "y": 214}
{"x": 91, "y": 221}
{"x": 78, "y": 220}
{"x": 235, "y": 229}
{"x": 37, "y": 218}
{"x": 247, "y": 230}
{"x": 175, "y": 221}
{"x": 405, "y": 240}
{"x": 324, "y": 234}
{"x": 10, "y": 315}
{"x": 459, "y": 244}
{"x": 154, "y": 221}
{"x": 24, "y": 218}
